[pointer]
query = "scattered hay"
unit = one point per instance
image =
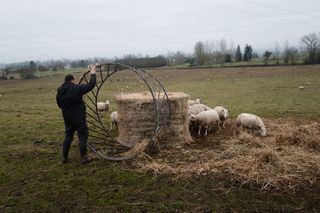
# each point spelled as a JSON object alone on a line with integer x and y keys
{"x": 267, "y": 156}
{"x": 286, "y": 160}
{"x": 137, "y": 150}
{"x": 306, "y": 136}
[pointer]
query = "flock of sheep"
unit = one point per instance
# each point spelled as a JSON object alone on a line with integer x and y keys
{"x": 201, "y": 116}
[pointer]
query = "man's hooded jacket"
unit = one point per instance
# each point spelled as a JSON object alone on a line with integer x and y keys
{"x": 69, "y": 99}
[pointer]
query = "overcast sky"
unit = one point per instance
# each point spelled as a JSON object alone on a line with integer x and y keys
{"x": 56, "y": 29}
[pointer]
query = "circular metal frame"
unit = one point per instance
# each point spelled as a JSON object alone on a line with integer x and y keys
{"x": 100, "y": 140}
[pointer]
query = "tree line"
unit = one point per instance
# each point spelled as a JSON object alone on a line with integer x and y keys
{"x": 206, "y": 53}
{"x": 219, "y": 52}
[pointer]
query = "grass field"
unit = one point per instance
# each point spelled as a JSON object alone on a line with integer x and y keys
{"x": 31, "y": 133}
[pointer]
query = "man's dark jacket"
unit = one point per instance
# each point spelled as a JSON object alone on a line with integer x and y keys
{"x": 69, "y": 99}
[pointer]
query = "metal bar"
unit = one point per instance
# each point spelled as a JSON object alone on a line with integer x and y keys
{"x": 90, "y": 108}
{"x": 92, "y": 117}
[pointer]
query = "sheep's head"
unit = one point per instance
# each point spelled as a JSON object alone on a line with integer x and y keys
{"x": 107, "y": 104}
{"x": 263, "y": 131}
{"x": 225, "y": 113}
{"x": 193, "y": 118}
{"x": 198, "y": 101}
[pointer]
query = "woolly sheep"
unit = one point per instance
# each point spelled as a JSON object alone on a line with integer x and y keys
{"x": 223, "y": 114}
{"x": 197, "y": 108}
{"x": 103, "y": 106}
{"x": 114, "y": 117}
{"x": 252, "y": 122}
{"x": 193, "y": 110}
{"x": 193, "y": 102}
{"x": 302, "y": 87}
{"x": 206, "y": 119}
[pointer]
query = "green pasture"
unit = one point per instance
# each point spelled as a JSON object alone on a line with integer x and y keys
{"x": 32, "y": 178}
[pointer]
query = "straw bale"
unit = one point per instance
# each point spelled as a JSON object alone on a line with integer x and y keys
{"x": 137, "y": 118}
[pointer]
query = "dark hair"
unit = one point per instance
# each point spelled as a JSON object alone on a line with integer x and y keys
{"x": 68, "y": 78}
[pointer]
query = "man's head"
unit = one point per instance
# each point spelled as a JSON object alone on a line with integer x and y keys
{"x": 69, "y": 78}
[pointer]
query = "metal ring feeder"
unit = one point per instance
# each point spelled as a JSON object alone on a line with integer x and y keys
{"x": 100, "y": 140}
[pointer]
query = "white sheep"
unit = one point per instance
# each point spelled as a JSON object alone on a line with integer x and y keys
{"x": 302, "y": 87}
{"x": 193, "y": 102}
{"x": 223, "y": 114}
{"x": 197, "y": 108}
{"x": 206, "y": 119}
{"x": 252, "y": 122}
{"x": 114, "y": 117}
{"x": 193, "y": 110}
{"x": 103, "y": 106}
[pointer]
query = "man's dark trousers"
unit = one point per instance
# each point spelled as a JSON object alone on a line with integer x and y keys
{"x": 83, "y": 133}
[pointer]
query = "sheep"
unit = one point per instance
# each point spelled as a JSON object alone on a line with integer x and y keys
{"x": 302, "y": 87}
{"x": 223, "y": 114}
{"x": 193, "y": 102}
{"x": 114, "y": 117}
{"x": 197, "y": 108}
{"x": 206, "y": 119}
{"x": 103, "y": 106}
{"x": 252, "y": 122}
{"x": 193, "y": 110}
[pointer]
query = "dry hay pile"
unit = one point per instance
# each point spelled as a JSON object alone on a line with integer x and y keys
{"x": 137, "y": 118}
{"x": 287, "y": 159}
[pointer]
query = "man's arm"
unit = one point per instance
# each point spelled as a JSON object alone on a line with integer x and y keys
{"x": 84, "y": 88}
{"x": 58, "y": 101}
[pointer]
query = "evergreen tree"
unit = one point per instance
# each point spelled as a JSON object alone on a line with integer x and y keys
{"x": 247, "y": 56}
{"x": 266, "y": 56}
{"x": 238, "y": 54}
{"x": 32, "y": 66}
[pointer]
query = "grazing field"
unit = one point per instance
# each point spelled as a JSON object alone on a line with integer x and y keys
{"x": 32, "y": 177}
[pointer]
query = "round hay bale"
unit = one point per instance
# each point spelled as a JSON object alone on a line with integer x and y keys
{"x": 138, "y": 119}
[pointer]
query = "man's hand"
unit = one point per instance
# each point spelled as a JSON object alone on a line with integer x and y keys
{"x": 93, "y": 68}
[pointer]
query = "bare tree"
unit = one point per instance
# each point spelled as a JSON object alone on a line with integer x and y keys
{"x": 232, "y": 51}
{"x": 222, "y": 50}
{"x": 276, "y": 52}
{"x": 311, "y": 45}
{"x": 199, "y": 53}
{"x": 175, "y": 57}
{"x": 208, "y": 49}
{"x": 292, "y": 54}
{"x": 285, "y": 52}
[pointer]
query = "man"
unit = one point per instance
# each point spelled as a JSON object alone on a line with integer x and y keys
{"x": 69, "y": 99}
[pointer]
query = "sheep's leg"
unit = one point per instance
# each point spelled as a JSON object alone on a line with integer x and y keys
{"x": 219, "y": 125}
{"x": 223, "y": 124}
{"x": 199, "y": 130}
{"x": 207, "y": 126}
{"x": 111, "y": 125}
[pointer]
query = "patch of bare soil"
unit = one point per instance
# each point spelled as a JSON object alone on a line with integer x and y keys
{"x": 288, "y": 159}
